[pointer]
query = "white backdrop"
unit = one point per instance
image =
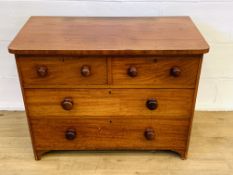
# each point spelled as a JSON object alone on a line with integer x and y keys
{"x": 214, "y": 19}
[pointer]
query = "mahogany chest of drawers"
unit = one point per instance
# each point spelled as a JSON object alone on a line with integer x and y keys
{"x": 109, "y": 83}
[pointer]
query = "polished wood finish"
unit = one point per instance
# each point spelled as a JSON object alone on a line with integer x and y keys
{"x": 62, "y": 70}
{"x": 193, "y": 108}
{"x": 109, "y": 36}
{"x": 170, "y": 103}
{"x": 109, "y": 83}
{"x": 110, "y": 133}
{"x": 156, "y": 71}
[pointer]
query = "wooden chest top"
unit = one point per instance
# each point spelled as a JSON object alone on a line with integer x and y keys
{"x": 109, "y": 36}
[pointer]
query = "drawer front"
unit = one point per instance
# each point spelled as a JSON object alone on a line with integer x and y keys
{"x": 109, "y": 133}
{"x": 165, "y": 103}
{"x": 62, "y": 71}
{"x": 162, "y": 72}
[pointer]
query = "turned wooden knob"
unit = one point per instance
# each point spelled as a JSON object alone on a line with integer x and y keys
{"x": 42, "y": 71}
{"x": 70, "y": 134}
{"x": 152, "y": 104}
{"x": 175, "y": 71}
{"x": 85, "y": 71}
{"x": 149, "y": 134}
{"x": 67, "y": 103}
{"x": 132, "y": 71}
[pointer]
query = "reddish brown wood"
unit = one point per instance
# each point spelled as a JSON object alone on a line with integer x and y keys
{"x": 70, "y": 134}
{"x": 185, "y": 154}
{"x": 109, "y": 70}
{"x": 132, "y": 71}
{"x": 86, "y": 71}
{"x": 67, "y": 103}
{"x": 99, "y": 103}
{"x": 109, "y": 36}
{"x": 149, "y": 134}
{"x": 110, "y": 133}
{"x": 37, "y": 153}
{"x": 42, "y": 71}
{"x": 156, "y": 71}
{"x": 40, "y": 153}
{"x": 141, "y": 96}
{"x": 62, "y": 70}
{"x": 175, "y": 71}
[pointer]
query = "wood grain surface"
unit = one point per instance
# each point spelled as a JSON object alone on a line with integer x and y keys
{"x": 109, "y": 36}
{"x": 62, "y": 70}
{"x": 118, "y": 134}
{"x": 156, "y": 71}
{"x": 172, "y": 103}
{"x": 151, "y": 72}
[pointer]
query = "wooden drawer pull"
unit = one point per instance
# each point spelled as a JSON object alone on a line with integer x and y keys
{"x": 67, "y": 103}
{"x": 42, "y": 71}
{"x": 152, "y": 104}
{"x": 149, "y": 134}
{"x": 132, "y": 71}
{"x": 86, "y": 71}
{"x": 70, "y": 134}
{"x": 175, "y": 71}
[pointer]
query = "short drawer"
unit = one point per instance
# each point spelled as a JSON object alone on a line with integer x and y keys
{"x": 62, "y": 71}
{"x": 109, "y": 133}
{"x": 161, "y": 72}
{"x": 158, "y": 103}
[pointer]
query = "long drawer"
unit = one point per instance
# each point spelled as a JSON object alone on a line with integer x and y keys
{"x": 109, "y": 133}
{"x": 69, "y": 103}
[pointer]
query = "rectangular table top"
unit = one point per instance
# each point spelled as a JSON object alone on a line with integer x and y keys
{"x": 108, "y": 36}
